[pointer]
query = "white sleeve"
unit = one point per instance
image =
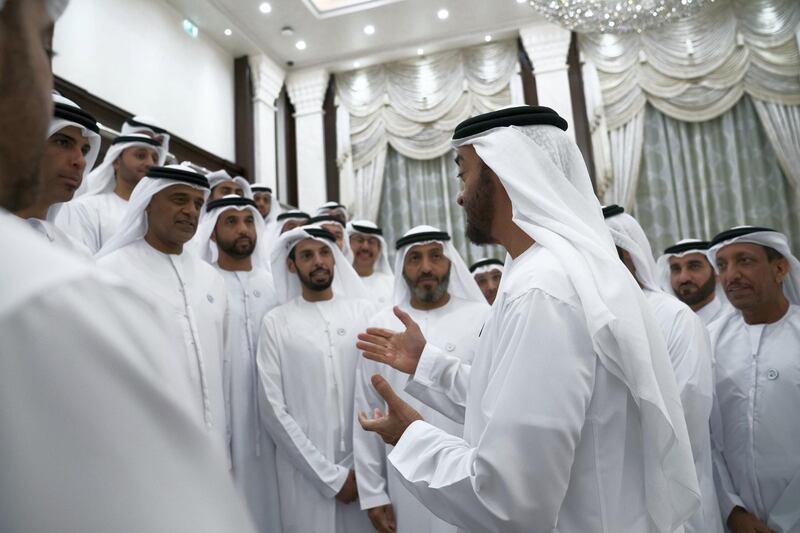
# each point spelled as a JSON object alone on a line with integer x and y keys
{"x": 441, "y": 381}
{"x": 369, "y": 451}
{"x": 514, "y": 478}
{"x": 726, "y": 493}
{"x": 97, "y": 428}
{"x": 328, "y": 476}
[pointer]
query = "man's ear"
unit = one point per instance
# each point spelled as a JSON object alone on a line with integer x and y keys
{"x": 214, "y": 235}
{"x": 290, "y": 265}
{"x": 781, "y": 269}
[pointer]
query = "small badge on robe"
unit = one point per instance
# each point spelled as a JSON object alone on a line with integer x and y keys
{"x": 210, "y": 298}
{"x": 449, "y": 346}
{"x": 341, "y": 332}
{"x": 772, "y": 374}
{"x": 257, "y": 293}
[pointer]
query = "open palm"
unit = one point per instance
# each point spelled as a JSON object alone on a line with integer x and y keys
{"x": 400, "y": 350}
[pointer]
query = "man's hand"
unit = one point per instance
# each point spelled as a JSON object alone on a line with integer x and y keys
{"x": 400, "y": 351}
{"x": 349, "y": 491}
{"x": 399, "y": 415}
{"x": 382, "y": 518}
{"x": 740, "y": 521}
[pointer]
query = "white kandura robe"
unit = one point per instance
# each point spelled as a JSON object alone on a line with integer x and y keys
{"x": 455, "y": 327}
{"x": 714, "y": 310}
{"x": 93, "y": 219}
{"x": 380, "y": 287}
{"x": 58, "y": 237}
{"x": 755, "y": 426}
{"x": 689, "y": 349}
{"x": 306, "y": 363}
{"x": 192, "y": 293}
{"x": 552, "y": 440}
{"x": 97, "y": 433}
{"x": 250, "y": 295}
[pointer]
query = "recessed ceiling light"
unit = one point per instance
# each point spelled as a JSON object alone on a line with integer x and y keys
{"x": 488, "y": 38}
{"x": 228, "y": 32}
{"x": 442, "y": 14}
{"x": 356, "y": 64}
{"x": 300, "y": 45}
{"x": 369, "y": 29}
{"x": 266, "y": 7}
{"x": 521, "y": 1}
{"x": 420, "y": 51}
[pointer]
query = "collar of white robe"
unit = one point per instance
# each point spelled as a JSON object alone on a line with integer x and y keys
{"x": 346, "y": 282}
{"x": 134, "y": 223}
{"x": 462, "y": 284}
{"x": 765, "y": 237}
{"x": 552, "y": 200}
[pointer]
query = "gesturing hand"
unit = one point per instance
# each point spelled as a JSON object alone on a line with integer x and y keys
{"x": 382, "y": 518}
{"x": 399, "y": 350}
{"x": 399, "y": 415}
{"x": 349, "y": 491}
{"x": 741, "y": 521}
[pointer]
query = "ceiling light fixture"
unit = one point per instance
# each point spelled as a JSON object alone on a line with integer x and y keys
{"x": 369, "y": 29}
{"x": 228, "y": 32}
{"x": 356, "y": 64}
{"x": 265, "y": 7}
{"x": 488, "y": 38}
{"x": 300, "y": 45}
{"x": 420, "y": 51}
{"x": 442, "y": 14}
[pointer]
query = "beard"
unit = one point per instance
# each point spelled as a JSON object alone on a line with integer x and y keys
{"x": 426, "y": 295}
{"x": 691, "y": 294}
{"x": 237, "y": 248}
{"x": 316, "y": 286}
{"x": 478, "y": 209}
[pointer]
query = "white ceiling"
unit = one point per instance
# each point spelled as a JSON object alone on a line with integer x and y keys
{"x": 333, "y": 29}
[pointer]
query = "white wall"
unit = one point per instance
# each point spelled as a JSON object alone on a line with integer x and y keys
{"x": 135, "y": 54}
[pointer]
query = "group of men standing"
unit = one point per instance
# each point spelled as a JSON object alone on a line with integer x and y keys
{"x": 205, "y": 336}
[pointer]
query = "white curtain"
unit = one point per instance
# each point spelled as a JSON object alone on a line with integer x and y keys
{"x": 368, "y": 184}
{"x": 626, "y": 157}
{"x": 415, "y": 104}
{"x": 782, "y": 125}
{"x": 598, "y": 128}
{"x": 694, "y": 70}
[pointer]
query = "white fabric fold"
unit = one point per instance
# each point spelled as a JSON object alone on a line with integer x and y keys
{"x": 628, "y": 235}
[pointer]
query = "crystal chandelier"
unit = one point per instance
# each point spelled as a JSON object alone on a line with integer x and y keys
{"x": 615, "y": 16}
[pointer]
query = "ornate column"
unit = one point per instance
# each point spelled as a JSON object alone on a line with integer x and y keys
{"x": 267, "y": 82}
{"x": 548, "y": 45}
{"x": 306, "y": 90}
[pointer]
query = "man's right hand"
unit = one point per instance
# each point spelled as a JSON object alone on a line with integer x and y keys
{"x": 382, "y": 518}
{"x": 740, "y": 521}
{"x": 349, "y": 491}
{"x": 399, "y": 350}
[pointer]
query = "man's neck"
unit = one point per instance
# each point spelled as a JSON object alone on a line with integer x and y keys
{"x": 231, "y": 264}
{"x": 123, "y": 189}
{"x": 364, "y": 271}
{"x": 38, "y": 210}
{"x": 767, "y": 314}
{"x": 163, "y": 247}
{"x": 514, "y": 239}
{"x": 317, "y": 296}
{"x": 701, "y": 304}
{"x": 416, "y": 303}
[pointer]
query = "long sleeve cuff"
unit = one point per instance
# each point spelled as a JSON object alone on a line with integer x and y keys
{"x": 375, "y": 500}
{"x": 425, "y": 374}
{"x": 336, "y": 485}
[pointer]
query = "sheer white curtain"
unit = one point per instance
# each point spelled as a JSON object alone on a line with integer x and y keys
{"x": 782, "y": 124}
{"x": 415, "y": 104}
{"x": 626, "y": 157}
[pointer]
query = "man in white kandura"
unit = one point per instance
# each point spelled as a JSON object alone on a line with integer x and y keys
{"x": 73, "y": 144}
{"x": 488, "y": 273}
{"x": 233, "y": 226}
{"x": 95, "y": 215}
{"x": 684, "y": 270}
{"x": 267, "y": 205}
{"x": 97, "y": 434}
{"x": 334, "y": 209}
{"x": 370, "y": 260}
{"x": 306, "y": 363}
{"x": 689, "y": 349}
{"x": 572, "y": 417}
{"x": 223, "y": 184}
{"x": 148, "y": 252}
{"x": 755, "y": 427}
{"x": 436, "y": 290}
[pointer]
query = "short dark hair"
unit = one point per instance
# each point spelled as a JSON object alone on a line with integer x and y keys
{"x": 291, "y": 254}
{"x": 772, "y": 253}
